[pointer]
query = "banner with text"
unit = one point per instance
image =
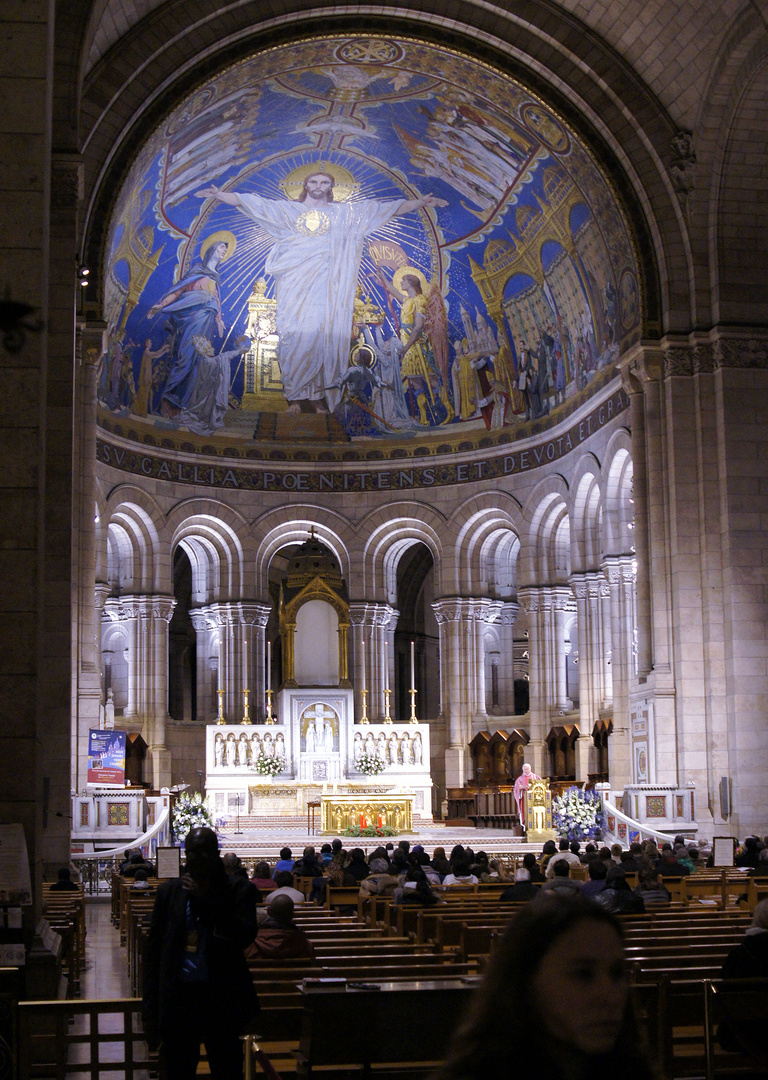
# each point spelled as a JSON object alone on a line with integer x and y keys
{"x": 106, "y": 757}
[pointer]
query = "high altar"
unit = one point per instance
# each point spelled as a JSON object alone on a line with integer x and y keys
{"x": 316, "y": 740}
{"x": 320, "y": 745}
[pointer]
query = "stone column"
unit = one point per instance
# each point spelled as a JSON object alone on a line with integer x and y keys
{"x": 376, "y": 624}
{"x": 461, "y": 623}
{"x": 546, "y": 607}
{"x": 146, "y": 618}
{"x": 86, "y": 630}
{"x": 508, "y": 613}
{"x": 362, "y": 618}
{"x": 258, "y": 616}
{"x": 235, "y": 627}
{"x": 591, "y": 591}
{"x": 619, "y": 571}
{"x": 205, "y": 674}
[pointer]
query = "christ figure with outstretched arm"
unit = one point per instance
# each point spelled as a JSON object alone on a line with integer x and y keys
{"x": 315, "y": 261}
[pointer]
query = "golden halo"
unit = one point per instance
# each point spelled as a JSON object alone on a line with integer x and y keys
{"x": 216, "y": 238}
{"x": 358, "y": 354}
{"x": 399, "y": 274}
{"x": 344, "y": 183}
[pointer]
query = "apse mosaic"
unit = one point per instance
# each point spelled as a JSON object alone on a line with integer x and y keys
{"x": 361, "y": 239}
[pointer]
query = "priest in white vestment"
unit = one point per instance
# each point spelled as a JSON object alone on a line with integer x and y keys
{"x": 315, "y": 261}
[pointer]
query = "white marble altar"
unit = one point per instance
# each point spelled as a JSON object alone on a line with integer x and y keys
{"x": 319, "y": 747}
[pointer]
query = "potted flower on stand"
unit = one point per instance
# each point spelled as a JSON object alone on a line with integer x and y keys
{"x": 578, "y": 814}
{"x": 190, "y": 812}
{"x": 370, "y": 764}
{"x": 267, "y": 764}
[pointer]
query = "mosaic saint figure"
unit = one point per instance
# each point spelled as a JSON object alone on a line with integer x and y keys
{"x": 315, "y": 261}
{"x": 420, "y": 329}
{"x": 193, "y": 306}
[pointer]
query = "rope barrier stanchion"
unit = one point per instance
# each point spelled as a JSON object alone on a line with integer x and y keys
{"x": 253, "y": 1052}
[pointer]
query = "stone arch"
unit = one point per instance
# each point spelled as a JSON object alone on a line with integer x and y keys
{"x": 388, "y": 533}
{"x": 484, "y": 556}
{"x": 289, "y": 525}
{"x": 216, "y": 540}
{"x": 742, "y": 58}
{"x": 618, "y": 537}
{"x": 628, "y": 130}
{"x": 586, "y": 515}
{"x": 742, "y": 212}
{"x": 134, "y": 531}
{"x": 545, "y": 541}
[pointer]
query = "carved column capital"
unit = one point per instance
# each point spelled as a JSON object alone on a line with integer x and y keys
{"x": 101, "y": 591}
{"x": 508, "y": 613}
{"x": 466, "y": 609}
{"x": 619, "y": 569}
{"x": 92, "y": 342}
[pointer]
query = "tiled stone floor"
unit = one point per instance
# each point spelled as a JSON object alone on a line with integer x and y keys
{"x": 105, "y": 979}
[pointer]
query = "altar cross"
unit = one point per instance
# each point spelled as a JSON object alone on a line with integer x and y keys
{"x": 321, "y": 712}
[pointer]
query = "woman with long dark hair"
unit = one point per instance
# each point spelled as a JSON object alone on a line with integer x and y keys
{"x": 555, "y": 1002}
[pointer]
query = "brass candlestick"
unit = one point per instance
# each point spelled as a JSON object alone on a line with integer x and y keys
{"x": 413, "y": 718}
{"x": 247, "y": 709}
{"x": 220, "y": 718}
{"x": 268, "y": 718}
{"x": 364, "y": 717}
{"x": 387, "y": 717}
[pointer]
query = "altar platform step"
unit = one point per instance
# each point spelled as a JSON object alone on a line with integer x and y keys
{"x": 261, "y": 837}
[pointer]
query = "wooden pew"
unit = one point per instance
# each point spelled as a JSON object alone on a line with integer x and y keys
{"x": 757, "y": 890}
{"x": 349, "y": 1029}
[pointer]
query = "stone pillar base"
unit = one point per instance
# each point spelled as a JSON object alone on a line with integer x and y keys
{"x": 455, "y": 767}
{"x": 159, "y": 767}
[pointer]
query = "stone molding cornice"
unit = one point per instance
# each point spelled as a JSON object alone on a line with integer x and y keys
{"x": 362, "y": 613}
{"x": 508, "y": 612}
{"x": 696, "y": 355}
{"x": 536, "y": 598}
{"x": 236, "y": 613}
{"x": 620, "y": 569}
{"x": 123, "y": 608}
{"x": 456, "y": 609}
{"x": 589, "y": 586}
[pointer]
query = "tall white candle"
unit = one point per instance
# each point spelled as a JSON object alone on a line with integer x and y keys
{"x": 362, "y": 658}
{"x": 385, "y": 661}
{"x": 269, "y": 665}
{"x": 413, "y": 667}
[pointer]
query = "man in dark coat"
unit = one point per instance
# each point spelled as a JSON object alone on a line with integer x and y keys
{"x": 279, "y": 937}
{"x": 197, "y": 988}
{"x": 523, "y": 888}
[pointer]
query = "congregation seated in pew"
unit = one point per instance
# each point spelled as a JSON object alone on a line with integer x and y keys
{"x": 278, "y": 937}
{"x": 64, "y": 881}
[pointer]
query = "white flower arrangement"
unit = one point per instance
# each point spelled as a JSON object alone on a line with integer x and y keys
{"x": 190, "y": 812}
{"x": 577, "y": 814}
{"x": 370, "y": 764}
{"x": 266, "y": 764}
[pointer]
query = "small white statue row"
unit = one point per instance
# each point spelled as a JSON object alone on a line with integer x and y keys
{"x": 393, "y": 750}
{"x": 234, "y": 752}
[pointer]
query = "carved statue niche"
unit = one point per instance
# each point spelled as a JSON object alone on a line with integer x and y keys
{"x": 218, "y": 750}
